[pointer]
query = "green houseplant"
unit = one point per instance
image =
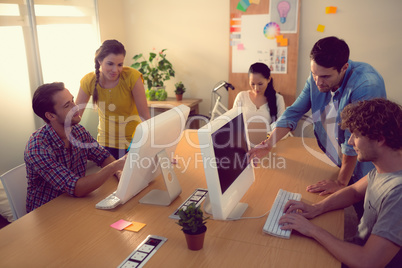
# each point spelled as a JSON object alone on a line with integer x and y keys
{"x": 156, "y": 69}
{"x": 180, "y": 89}
{"x": 193, "y": 222}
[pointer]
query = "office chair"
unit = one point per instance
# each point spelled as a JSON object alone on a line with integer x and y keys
{"x": 15, "y": 185}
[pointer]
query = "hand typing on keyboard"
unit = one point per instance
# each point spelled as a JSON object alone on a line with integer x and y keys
{"x": 296, "y": 217}
{"x": 294, "y": 221}
{"x": 299, "y": 207}
{"x": 272, "y": 225}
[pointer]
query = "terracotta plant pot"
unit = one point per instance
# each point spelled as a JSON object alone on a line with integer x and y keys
{"x": 195, "y": 242}
{"x": 179, "y": 97}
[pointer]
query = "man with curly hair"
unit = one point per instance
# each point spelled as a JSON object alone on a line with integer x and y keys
{"x": 376, "y": 128}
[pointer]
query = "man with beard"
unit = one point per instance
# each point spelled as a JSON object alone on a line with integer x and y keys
{"x": 56, "y": 154}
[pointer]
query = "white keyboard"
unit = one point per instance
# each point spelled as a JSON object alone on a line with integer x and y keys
{"x": 271, "y": 226}
{"x": 110, "y": 202}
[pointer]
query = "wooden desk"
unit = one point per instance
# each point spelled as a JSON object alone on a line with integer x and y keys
{"x": 172, "y": 102}
{"x": 70, "y": 232}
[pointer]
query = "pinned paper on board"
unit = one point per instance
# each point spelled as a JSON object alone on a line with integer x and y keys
{"x": 320, "y": 28}
{"x": 284, "y": 13}
{"x": 283, "y": 42}
{"x": 278, "y": 60}
{"x": 243, "y": 5}
{"x": 271, "y": 30}
{"x": 235, "y": 30}
{"x": 283, "y": 10}
{"x": 330, "y": 10}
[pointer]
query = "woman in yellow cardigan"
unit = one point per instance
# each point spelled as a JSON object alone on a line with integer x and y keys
{"x": 119, "y": 94}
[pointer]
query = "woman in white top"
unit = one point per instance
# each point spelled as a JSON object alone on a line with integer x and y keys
{"x": 261, "y": 104}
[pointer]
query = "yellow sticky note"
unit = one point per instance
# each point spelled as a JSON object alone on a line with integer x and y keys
{"x": 320, "y": 28}
{"x": 255, "y": 1}
{"x": 330, "y": 10}
{"x": 135, "y": 226}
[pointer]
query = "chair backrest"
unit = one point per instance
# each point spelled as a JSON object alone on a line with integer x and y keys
{"x": 15, "y": 184}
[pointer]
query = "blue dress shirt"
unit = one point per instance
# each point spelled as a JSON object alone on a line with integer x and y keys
{"x": 361, "y": 82}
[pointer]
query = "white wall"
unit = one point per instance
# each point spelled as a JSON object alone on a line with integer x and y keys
{"x": 195, "y": 34}
{"x": 371, "y": 28}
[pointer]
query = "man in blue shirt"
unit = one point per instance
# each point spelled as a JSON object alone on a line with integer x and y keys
{"x": 334, "y": 82}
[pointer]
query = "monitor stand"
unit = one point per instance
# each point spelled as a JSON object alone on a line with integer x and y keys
{"x": 235, "y": 214}
{"x": 159, "y": 197}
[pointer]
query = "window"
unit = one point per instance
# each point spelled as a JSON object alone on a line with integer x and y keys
{"x": 42, "y": 41}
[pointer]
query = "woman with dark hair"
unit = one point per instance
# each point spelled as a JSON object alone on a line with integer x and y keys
{"x": 119, "y": 94}
{"x": 261, "y": 103}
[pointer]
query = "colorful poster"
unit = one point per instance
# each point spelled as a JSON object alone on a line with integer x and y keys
{"x": 257, "y": 43}
{"x": 284, "y": 13}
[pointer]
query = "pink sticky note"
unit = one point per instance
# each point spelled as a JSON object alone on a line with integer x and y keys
{"x": 240, "y": 46}
{"x": 120, "y": 225}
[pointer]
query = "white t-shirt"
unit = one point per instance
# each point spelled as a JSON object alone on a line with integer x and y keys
{"x": 254, "y": 114}
{"x": 258, "y": 120}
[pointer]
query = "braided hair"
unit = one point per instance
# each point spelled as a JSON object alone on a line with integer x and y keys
{"x": 270, "y": 93}
{"x": 108, "y": 47}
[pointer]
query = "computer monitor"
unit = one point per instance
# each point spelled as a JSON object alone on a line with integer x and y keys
{"x": 224, "y": 145}
{"x": 151, "y": 150}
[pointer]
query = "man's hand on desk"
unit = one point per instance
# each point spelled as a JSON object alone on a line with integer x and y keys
{"x": 325, "y": 187}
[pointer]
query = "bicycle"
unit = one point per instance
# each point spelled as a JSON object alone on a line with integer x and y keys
{"x": 196, "y": 121}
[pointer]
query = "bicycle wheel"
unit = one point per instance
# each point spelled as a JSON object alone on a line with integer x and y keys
{"x": 196, "y": 121}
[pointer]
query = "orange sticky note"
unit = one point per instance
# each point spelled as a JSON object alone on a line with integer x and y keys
{"x": 320, "y": 28}
{"x": 279, "y": 38}
{"x": 330, "y": 10}
{"x": 284, "y": 42}
{"x": 234, "y": 22}
{"x": 135, "y": 226}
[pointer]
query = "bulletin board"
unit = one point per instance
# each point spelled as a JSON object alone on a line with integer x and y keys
{"x": 258, "y": 34}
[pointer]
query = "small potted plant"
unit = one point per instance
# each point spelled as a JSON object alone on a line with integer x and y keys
{"x": 180, "y": 89}
{"x": 192, "y": 221}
